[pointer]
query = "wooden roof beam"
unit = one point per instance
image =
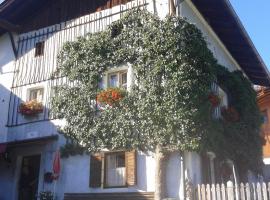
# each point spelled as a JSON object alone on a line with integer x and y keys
{"x": 8, "y": 26}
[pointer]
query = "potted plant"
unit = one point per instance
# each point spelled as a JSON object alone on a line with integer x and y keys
{"x": 48, "y": 177}
{"x": 214, "y": 99}
{"x": 46, "y": 195}
{"x": 110, "y": 96}
{"x": 31, "y": 108}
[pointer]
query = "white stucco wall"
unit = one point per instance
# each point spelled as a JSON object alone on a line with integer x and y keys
{"x": 10, "y": 172}
{"x": 75, "y": 170}
{"x": 6, "y": 76}
{"x": 75, "y": 174}
{"x": 189, "y": 11}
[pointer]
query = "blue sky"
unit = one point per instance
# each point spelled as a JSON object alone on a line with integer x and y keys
{"x": 255, "y": 16}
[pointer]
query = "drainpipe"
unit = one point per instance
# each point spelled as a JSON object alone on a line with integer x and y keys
{"x": 182, "y": 177}
{"x": 236, "y": 183}
{"x": 235, "y": 179}
{"x": 178, "y": 7}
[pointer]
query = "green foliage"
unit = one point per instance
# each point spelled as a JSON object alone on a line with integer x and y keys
{"x": 71, "y": 149}
{"x": 47, "y": 195}
{"x": 168, "y": 106}
{"x": 242, "y": 142}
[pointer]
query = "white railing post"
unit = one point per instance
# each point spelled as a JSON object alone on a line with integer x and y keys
{"x": 230, "y": 189}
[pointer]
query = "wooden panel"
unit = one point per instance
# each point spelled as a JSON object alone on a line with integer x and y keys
{"x": 130, "y": 158}
{"x": 111, "y": 196}
{"x": 95, "y": 171}
{"x": 62, "y": 10}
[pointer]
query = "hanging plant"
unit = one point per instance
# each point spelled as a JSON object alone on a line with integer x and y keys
{"x": 214, "y": 99}
{"x": 32, "y": 107}
{"x": 72, "y": 149}
{"x": 110, "y": 96}
{"x": 48, "y": 177}
{"x": 46, "y": 195}
{"x": 230, "y": 114}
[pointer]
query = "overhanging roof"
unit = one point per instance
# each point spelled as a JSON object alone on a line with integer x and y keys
{"x": 39, "y": 140}
{"x": 222, "y": 18}
{"x": 17, "y": 11}
{"x": 218, "y": 13}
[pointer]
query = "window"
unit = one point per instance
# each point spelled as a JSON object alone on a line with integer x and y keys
{"x": 118, "y": 79}
{"x": 113, "y": 169}
{"x": 115, "y": 174}
{"x": 223, "y": 97}
{"x": 39, "y": 49}
{"x": 36, "y": 94}
{"x": 265, "y": 116}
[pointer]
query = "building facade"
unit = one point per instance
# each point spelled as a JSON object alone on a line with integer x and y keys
{"x": 29, "y": 43}
{"x": 263, "y": 99}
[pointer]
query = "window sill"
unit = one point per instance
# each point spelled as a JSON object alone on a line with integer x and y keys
{"x": 112, "y": 187}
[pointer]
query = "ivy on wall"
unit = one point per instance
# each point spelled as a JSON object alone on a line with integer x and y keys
{"x": 241, "y": 138}
{"x": 169, "y": 106}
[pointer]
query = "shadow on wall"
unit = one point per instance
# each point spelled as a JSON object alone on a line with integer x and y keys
{"x": 6, "y": 55}
{"x": 23, "y": 140}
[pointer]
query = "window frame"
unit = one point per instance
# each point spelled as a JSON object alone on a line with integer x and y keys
{"x": 118, "y": 73}
{"x": 104, "y": 170}
{"x": 30, "y": 90}
{"x": 265, "y": 115}
{"x": 39, "y": 48}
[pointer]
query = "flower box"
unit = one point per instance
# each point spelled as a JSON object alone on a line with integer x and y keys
{"x": 110, "y": 96}
{"x": 214, "y": 99}
{"x": 31, "y": 108}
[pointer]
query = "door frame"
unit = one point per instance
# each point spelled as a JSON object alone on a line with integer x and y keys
{"x": 17, "y": 173}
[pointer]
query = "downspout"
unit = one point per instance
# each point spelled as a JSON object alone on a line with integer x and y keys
{"x": 155, "y": 6}
{"x": 182, "y": 190}
{"x": 182, "y": 177}
{"x": 172, "y": 8}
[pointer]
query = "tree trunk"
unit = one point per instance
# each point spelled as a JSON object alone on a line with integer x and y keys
{"x": 160, "y": 176}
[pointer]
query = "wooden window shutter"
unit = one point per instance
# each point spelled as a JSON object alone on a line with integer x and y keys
{"x": 95, "y": 170}
{"x": 131, "y": 167}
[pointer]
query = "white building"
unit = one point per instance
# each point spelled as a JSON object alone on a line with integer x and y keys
{"x": 31, "y": 34}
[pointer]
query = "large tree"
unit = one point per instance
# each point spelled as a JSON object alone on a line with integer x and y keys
{"x": 166, "y": 108}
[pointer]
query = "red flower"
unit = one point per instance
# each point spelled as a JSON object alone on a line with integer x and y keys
{"x": 214, "y": 99}
{"x": 32, "y": 107}
{"x": 110, "y": 96}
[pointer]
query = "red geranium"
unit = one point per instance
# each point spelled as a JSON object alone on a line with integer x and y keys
{"x": 110, "y": 96}
{"x": 32, "y": 107}
{"x": 214, "y": 99}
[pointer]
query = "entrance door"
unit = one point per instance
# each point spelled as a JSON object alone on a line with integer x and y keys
{"x": 28, "y": 184}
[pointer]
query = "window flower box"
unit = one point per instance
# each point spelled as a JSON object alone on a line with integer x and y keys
{"x": 214, "y": 99}
{"x": 31, "y": 108}
{"x": 110, "y": 96}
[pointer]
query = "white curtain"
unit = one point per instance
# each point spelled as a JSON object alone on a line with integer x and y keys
{"x": 115, "y": 176}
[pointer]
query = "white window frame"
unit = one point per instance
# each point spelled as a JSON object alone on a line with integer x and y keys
{"x": 119, "y": 78}
{"x": 119, "y": 171}
{"x": 30, "y": 90}
{"x": 118, "y": 70}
